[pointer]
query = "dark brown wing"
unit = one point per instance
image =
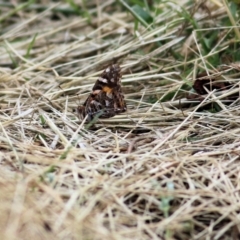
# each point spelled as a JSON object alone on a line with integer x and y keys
{"x": 106, "y": 99}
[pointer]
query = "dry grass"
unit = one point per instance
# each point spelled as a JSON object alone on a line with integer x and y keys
{"x": 167, "y": 169}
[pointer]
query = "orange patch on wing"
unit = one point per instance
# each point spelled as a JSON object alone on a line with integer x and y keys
{"x": 107, "y": 89}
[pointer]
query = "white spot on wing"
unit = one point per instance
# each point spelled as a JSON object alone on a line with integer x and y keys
{"x": 96, "y": 103}
{"x": 109, "y": 94}
{"x": 96, "y": 92}
{"x": 107, "y": 103}
{"x": 102, "y": 79}
{"x": 108, "y": 69}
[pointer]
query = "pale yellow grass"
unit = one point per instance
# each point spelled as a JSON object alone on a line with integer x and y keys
{"x": 162, "y": 170}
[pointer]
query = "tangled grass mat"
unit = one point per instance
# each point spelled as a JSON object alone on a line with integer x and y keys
{"x": 167, "y": 168}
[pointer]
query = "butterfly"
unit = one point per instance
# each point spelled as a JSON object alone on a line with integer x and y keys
{"x": 106, "y": 99}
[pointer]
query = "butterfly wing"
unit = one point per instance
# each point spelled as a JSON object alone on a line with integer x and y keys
{"x": 106, "y": 99}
